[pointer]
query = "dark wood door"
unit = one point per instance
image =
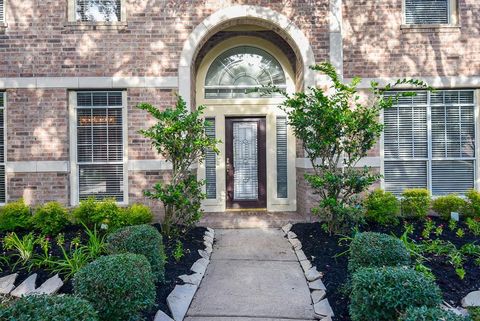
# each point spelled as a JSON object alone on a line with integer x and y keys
{"x": 246, "y": 166}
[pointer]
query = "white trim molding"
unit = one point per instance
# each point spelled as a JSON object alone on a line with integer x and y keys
{"x": 209, "y": 26}
{"x": 38, "y": 167}
{"x": 335, "y": 35}
{"x": 447, "y": 82}
{"x": 149, "y": 165}
{"x": 372, "y": 161}
{"x": 88, "y": 82}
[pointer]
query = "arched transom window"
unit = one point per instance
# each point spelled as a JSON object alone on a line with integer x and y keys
{"x": 237, "y": 71}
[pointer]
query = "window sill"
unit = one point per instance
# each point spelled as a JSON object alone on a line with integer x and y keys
{"x": 430, "y": 28}
{"x": 81, "y": 25}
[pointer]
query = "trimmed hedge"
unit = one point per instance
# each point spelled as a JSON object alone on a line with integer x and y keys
{"x": 140, "y": 239}
{"x": 137, "y": 214}
{"x": 370, "y": 249}
{"x": 382, "y": 207}
{"x": 118, "y": 286}
{"x": 50, "y": 218}
{"x": 48, "y": 308}
{"x": 384, "y": 294}
{"x": 15, "y": 215}
{"x": 444, "y": 205}
{"x": 431, "y": 314}
{"x": 416, "y": 202}
{"x": 92, "y": 212}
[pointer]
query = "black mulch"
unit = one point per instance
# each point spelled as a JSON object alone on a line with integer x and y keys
{"x": 192, "y": 242}
{"x": 323, "y": 249}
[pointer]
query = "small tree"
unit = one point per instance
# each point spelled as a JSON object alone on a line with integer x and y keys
{"x": 337, "y": 130}
{"x": 179, "y": 136}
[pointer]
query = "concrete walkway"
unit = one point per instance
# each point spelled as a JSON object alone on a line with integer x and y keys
{"x": 253, "y": 275}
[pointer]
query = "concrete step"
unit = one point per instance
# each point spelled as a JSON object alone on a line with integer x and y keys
{"x": 251, "y": 219}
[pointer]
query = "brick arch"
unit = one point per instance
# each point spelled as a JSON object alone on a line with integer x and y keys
{"x": 244, "y": 14}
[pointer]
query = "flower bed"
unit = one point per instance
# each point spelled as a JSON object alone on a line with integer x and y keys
{"x": 326, "y": 251}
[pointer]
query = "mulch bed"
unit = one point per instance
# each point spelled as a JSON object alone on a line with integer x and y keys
{"x": 323, "y": 250}
{"x": 192, "y": 242}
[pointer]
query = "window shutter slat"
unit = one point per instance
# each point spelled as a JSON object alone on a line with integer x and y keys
{"x": 98, "y": 10}
{"x": 400, "y": 175}
{"x": 210, "y": 162}
{"x": 452, "y": 176}
{"x": 100, "y": 144}
{"x": 426, "y": 11}
{"x": 282, "y": 177}
{"x": 2, "y": 11}
{"x": 3, "y": 183}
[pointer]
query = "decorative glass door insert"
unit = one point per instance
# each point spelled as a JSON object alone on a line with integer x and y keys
{"x": 245, "y": 160}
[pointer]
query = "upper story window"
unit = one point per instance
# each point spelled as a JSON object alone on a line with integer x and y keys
{"x": 428, "y": 12}
{"x": 237, "y": 71}
{"x": 2, "y": 11}
{"x": 98, "y": 10}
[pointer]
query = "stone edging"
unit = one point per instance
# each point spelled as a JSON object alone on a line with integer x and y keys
{"x": 179, "y": 299}
{"x": 27, "y": 287}
{"x": 318, "y": 291}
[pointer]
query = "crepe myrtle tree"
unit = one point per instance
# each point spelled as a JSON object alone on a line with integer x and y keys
{"x": 337, "y": 129}
{"x": 179, "y": 136}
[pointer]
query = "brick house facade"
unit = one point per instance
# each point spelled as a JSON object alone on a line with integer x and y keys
{"x": 152, "y": 50}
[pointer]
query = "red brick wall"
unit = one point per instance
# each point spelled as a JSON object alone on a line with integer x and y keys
{"x": 37, "y": 188}
{"x": 375, "y": 46}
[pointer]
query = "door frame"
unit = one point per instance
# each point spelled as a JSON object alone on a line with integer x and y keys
{"x": 261, "y": 202}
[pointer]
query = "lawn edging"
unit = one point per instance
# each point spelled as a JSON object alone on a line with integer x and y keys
{"x": 179, "y": 299}
{"x": 318, "y": 291}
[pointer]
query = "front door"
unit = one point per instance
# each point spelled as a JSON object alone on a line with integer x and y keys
{"x": 245, "y": 162}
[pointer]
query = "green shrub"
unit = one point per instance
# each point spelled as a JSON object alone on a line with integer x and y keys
{"x": 382, "y": 207}
{"x": 47, "y": 308}
{"x": 370, "y": 249}
{"x": 140, "y": 239}
{"x": 472, "y": 208}
{"x": 118, "y": 286}
{"x": 415, "y": 202}
{"x": 15, "y": 215}
{"x": 444, "y": 205}
{"x": 474, "y": 313}
{"x": 137, "y": 214}
{"x": 50, "y": 218}
{"x": 92, "y": 212}
{"x": 383, "y": 294}
{"x": 430, "y": 314}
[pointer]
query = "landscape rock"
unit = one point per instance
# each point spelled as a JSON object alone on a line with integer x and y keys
{"x": 306, "y": 265}
{"x": 208, "y": 239}
{"x": 208, "y": 249}
{"x": 204, "y": 254}
{"x": 291, "y": 235}
{"x": 210, "y": 234}
{"x": 323, "y": 308}
{"x": 301, "y": 255}
{"x": 200, "y": 266}
{"x": 161, "y": 316}
{"x": 191, "y": 278}
{"x": 50, "y": 286}
{"x": 179, "y": 300}
{"x": 7, "y": 283}
{"x": 26, "y": 287}
{"x": 287, "y": 228}
{"x": 313, "y": 274}
{"x": 297, "y": 245}
{"x": 471, "y": 300}
{"x": 317, "y": 285}
{"x": 211, "y": 230}
{"x": 318, "y": 295}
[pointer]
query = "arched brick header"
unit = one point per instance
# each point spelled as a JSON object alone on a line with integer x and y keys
{"x": 260, "y": 15}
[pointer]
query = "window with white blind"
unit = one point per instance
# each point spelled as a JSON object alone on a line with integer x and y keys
{"x": 429, "y": 142}
{"x": 2, "y": 149}
{"x": 282, "y": 175}
{"x": 2, "y": 11}
{"x": 98, "y": 10}
{"x": 100, "y": 145}
{"x": 210, "y": 162}
{"x": 422, "y": 12}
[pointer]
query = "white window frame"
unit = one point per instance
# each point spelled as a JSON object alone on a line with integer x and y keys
{"x": 72, "y": 14}
{"x": 452, "y": 15}
{"x": 430, "y": 158}
{"x": 4, "y": 21}
{"x": 4, "y": 93}
{"x": 74, "y": 172}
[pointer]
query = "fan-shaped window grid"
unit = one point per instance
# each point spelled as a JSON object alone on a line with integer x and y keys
{"x": 238, "y": 71}
{"x": 429, "y": 142}
{"x": 100, "y": 145}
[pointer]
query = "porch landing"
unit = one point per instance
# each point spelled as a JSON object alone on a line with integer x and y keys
{"x": 251, "y": 219}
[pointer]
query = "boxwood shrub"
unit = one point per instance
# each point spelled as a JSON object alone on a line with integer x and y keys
{"x": 371, "y": 249}
{"x": 140, "y": 239}
{"x": 48, "y": 308}
{"x": 118, "y": 286}
{"x": 50, "y": 218}
{"x": 382, "y": 207}
{"x": 472, "y": 209}
{"x": 137, "y": 214}
{"x": 15, "y": 215}
{"x": 444, "y": 205}
{"x": 415, "y": 202}
{"x": 431, "y": 314}
{"x": 384, "y": 294}
{"x": 92, "y": 212}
